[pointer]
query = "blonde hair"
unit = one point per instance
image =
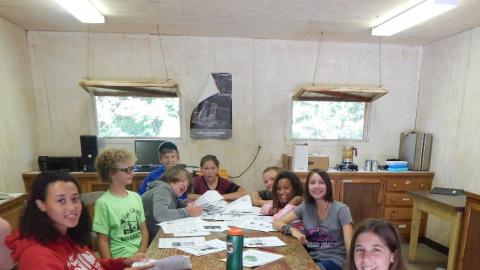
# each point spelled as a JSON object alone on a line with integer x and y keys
{"x": 106, "y": 161}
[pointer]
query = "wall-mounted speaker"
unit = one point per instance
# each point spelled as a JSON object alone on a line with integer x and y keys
{"x": 89, "y": 147}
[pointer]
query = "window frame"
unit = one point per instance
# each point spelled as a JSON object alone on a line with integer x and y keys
{"x": 131, "y": 89}
{"x": 366, "y": 125}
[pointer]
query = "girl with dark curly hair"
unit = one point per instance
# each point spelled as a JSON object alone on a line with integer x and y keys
{"x": 55, "y": 229}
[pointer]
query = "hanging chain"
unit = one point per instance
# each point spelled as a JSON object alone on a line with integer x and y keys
{"x": 88, "y": 51}
{"x": 315, "y": 71}
{"x": 150, "y": 57}
{"x": 163, "y": 53}
{"x": 379, "y": 61}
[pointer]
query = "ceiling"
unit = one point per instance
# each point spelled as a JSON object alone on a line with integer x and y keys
{"x": 339, "y": 20}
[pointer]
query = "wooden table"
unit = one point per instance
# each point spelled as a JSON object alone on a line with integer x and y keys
{"x": 295, "y": 255}
{"x": 444, "y": 206}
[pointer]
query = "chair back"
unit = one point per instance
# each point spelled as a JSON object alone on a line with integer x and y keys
{"x": 90, "y": 198}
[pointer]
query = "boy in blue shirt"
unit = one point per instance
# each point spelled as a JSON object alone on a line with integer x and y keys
{"x": 168, "y": 157}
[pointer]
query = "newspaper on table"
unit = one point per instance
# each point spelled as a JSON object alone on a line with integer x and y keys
{"x": 252, "y": 224}
{"x": 211, "y": 246}
{"x": 192, "y": 227}
{"x": 177, "y": 262}
{"x": 184, "y": 227}
{"x": 269, "y": 241}
{"x": 208, "y": 197}
{"x": 181, "y": 242}
{"x": 254, "y": 258}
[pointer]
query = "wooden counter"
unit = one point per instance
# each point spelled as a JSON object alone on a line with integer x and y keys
{"x": 368, "y": 194}
{"x": 12, "y": 208}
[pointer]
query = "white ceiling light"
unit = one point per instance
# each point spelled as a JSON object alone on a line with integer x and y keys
{"x": 413, "y": 15}
{"x": 83, "y": 10}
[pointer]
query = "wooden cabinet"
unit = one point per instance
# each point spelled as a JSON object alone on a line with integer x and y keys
{"x": 398, "y": 205}
{"x": 12, "y": 208}
{"x": 470, "y": 240}
{"x": 363, "y": 195}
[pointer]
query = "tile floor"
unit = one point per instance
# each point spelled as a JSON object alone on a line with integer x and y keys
{"x": 426, "y": 259}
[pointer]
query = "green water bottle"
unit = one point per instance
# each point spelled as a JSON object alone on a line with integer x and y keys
{"x": 234, "y": 249}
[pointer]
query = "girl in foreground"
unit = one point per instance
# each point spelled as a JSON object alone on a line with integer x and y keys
{"x": 327, "y": 223}
{"x": 376, "y": 245}
{"x": 55, "y": 229}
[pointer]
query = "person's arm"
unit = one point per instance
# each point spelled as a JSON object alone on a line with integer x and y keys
{"x": 347, "y": 236}
{"x": 297, "y": 200}
{"x": 101, "y": 226}
{"x": 162, "y": 210}
{"x": 143, "y": 186}
{"x": 283, "y": 225}
{"x": 257, "y": 201}
{"x": 103, "y": 247}
{"x": 144, "y": 243}
{"x": 234, "y": 195}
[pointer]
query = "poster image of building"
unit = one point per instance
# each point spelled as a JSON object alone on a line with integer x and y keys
{"x": 212, "y": 117}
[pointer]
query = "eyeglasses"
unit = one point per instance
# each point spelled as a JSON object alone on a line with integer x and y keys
{"x": 128, "y": 169}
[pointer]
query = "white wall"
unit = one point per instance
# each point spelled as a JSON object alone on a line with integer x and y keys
{"x": 17, "y": 109}
{"x": 449, "y": 108}
{"x": 265, "y": 74}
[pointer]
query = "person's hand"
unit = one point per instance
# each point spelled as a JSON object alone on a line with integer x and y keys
{"x": 194, "y": 210}
{"x": 138, "y": 257}
{"x": 300, "y": 236}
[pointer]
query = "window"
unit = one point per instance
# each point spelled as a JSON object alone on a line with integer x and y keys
{"x": 138, "y": 116}
{"x": 329, "y": 120}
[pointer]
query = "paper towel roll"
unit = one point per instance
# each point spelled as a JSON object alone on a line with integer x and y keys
{"x": 300, "y": 158}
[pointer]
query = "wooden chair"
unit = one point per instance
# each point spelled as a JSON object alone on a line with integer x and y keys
{"x": 89, "y": 200}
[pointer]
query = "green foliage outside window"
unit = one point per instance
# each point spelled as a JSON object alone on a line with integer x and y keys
{"x": 137, "y": 116}
{"x": 327, "y": 120}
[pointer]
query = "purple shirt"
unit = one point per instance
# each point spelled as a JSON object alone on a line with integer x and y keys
{"x": 223, "y": 186}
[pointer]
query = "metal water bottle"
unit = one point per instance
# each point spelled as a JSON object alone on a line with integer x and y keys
{"x": 234, "y": 249}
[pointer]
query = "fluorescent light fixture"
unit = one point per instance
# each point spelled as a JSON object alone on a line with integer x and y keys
{"x": 83, "y": 10}
{"x": 413, "y": 15}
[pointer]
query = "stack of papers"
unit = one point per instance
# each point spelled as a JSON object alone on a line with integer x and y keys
{"x": 178, "y": 242}
{"x": 192, "y": 227}
{"x": 177, "y": 262}
{"x": 270, "y": 241}
{"x": 211, "y": 246}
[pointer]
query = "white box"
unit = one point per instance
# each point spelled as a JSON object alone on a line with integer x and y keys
{"x": 300, "y": 158}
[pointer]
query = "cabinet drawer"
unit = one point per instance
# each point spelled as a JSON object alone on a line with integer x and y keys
{"x": 397, "y": 213}
{"x": 398, "y": 199}
{"x": 404, "y": 227}
{"x": 408, "y": 184}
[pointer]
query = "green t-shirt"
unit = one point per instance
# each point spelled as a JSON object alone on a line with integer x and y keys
{"x": 120, "y": 219}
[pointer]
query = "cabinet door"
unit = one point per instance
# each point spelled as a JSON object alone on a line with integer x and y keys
{"x": 364, "y": 197}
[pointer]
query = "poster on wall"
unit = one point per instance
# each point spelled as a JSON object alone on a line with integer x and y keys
{"x": 212, "y": 117}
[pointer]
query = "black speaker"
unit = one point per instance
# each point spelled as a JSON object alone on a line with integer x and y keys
{"x": 89, "y": 147}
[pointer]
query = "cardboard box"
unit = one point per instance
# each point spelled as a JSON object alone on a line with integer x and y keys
{"x": 314, "y": 161}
